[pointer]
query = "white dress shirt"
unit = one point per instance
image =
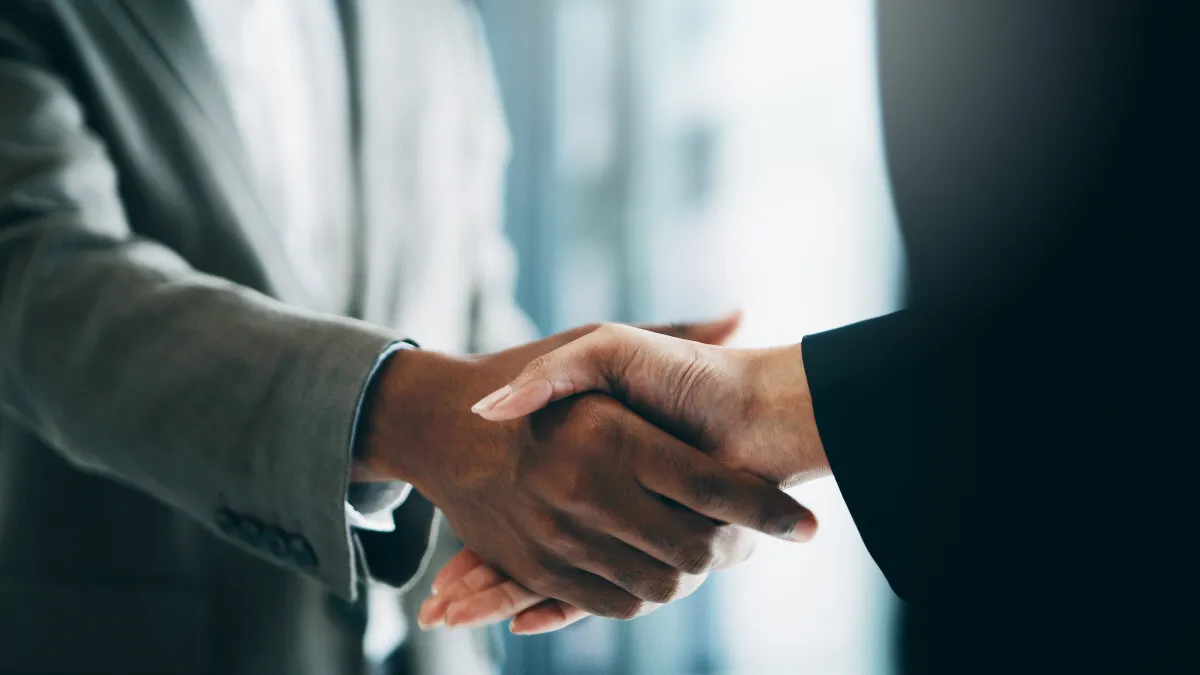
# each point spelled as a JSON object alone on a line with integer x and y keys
{"x": 284, "y": 67}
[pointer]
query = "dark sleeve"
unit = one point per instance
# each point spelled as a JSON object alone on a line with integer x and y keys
{"x": 899, "y": 410}
{"x": 864, "y": 414}
{"x": 960, "y": 448}
{"x": 975, "y": 433}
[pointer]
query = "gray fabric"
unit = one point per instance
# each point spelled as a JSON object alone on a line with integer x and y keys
{"x": 175, "y": 413}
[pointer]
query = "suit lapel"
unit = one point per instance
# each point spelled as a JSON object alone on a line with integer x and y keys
{"x": 172, "y": 32}
{"x": 348, "y": 12}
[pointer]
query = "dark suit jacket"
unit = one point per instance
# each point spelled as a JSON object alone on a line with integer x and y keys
{"x": 1003, "y": 444}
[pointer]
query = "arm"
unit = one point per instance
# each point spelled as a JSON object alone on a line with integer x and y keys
{"x": 237, "y": 409}
{"x": 568, "y": 502}
{"x": 968, "y": 430}
{"x": 212, "y": 398}
{"x": 926, "y": 428}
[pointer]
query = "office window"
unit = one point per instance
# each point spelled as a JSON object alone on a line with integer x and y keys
{"x": 676, "y": 159}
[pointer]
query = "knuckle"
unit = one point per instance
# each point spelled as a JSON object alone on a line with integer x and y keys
{"x": 729, "y": 545}
{"x": 702, "y": 485}
{"x": 699, "y": 557}
{"x": 772, "y": 516}
{"x": 544, "y": 581}
{"x": 553, "y": 537}
{"x": 764, "y": 520}
{"x": 625, "y": 609}
{"x": 594, "y": 419}
{"x": 661, "y": 589}
{"x": 574, "y": 483}
{"x": 560, "y": 550}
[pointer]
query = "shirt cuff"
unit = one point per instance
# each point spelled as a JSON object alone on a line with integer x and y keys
{"x": 369, "y": 506}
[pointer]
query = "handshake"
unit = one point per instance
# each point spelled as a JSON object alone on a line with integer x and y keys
{"x": 614, "y": 471}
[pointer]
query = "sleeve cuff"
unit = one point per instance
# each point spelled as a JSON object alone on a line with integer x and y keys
{"x": 369, "y": 506}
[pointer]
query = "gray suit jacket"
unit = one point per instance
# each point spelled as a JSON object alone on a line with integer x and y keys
{"x": 175, "y": 413}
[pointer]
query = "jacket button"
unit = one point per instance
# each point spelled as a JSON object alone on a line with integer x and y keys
{"x": 250, "y": 531}
{"x": 226, "y": 520}
{"x": 275, "y": 541}
{"x": 301, "y": 552}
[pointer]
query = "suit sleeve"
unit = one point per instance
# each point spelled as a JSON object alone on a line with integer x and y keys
{"x": 962, "y": 447}
{"x": 212, "y": 398}
{"x": 877, "y": 395}
{"x": 967, "y": 433}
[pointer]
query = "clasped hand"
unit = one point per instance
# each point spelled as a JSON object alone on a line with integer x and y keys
{"x": 570, "y": 502}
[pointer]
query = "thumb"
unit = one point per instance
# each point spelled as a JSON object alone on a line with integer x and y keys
{"x": 717, "y": 332}
{"x": 587, "y": 364}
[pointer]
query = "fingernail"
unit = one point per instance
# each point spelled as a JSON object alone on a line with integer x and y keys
{"x": 492, "y": 400}
{"x": 425, "y": 624}
{"x": 431, "y": 608}
{"x": 804, "y": 531}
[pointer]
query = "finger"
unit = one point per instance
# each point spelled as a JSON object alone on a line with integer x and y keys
{"x": 716, "y": 332}
{"x": 637, "y": 573}
{"x": 589, "y": 363}
{"x": 455, "y": 568}
{"x": 680, "y": 537}
{"x": 588, "y": 592}
{"x": 681, "y": 473}
{"x": 546, "y": 617}
{"x": 432, "y": 612}
{"x": 583, "y": 365}
{"x": 498, "y": 603}
{"x": 478, "y": 580}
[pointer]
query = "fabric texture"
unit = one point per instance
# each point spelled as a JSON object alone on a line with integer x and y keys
{"x": 176, "y": 403}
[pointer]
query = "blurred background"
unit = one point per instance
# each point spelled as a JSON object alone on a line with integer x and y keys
{"x": 677, "y": 159}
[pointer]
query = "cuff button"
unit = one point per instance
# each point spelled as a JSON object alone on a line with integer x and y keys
{"x": 226, "y": 520}
{"x": 302, "y": 552}
{"x": 275, "y": 541}
{"x": 251, "y": 531}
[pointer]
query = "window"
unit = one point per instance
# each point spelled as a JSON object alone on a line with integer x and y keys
{"x": 676, "y": 159}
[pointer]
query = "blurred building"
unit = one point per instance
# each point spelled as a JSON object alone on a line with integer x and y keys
{"x": 677, "y": 159}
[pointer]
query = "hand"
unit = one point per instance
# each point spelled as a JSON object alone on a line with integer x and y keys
{"x": 751, "y": 409}
{"x": 585, "y": 501}
{"x": 468, "y": 593}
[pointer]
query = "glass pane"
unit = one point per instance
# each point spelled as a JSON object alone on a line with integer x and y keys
{"x": 688, "y": 157}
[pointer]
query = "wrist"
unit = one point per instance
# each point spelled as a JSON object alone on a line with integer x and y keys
{"x": 360, "y": 471}
{"x": 410, "y": 404}
{"x": 783, "y": 402}
{"x": 422, "y": 430}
